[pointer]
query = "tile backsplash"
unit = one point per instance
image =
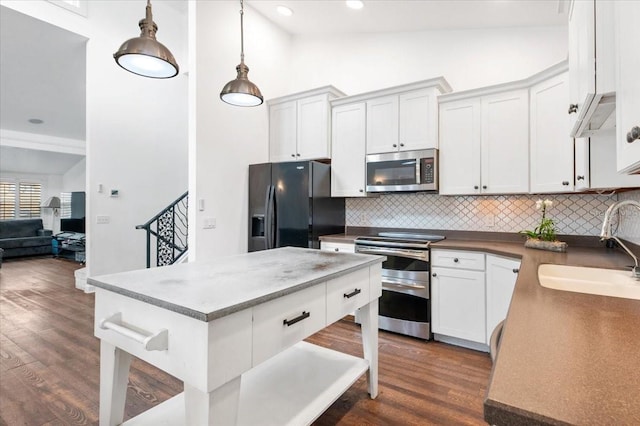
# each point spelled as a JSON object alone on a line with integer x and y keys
{"x": 573, "y": 214}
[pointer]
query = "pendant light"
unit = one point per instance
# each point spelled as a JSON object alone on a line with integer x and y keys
{"x": 145, "y": 55}
{"x": 241, "y": 92}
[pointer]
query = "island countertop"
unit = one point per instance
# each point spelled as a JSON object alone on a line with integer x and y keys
{"x": 213, "y": 289}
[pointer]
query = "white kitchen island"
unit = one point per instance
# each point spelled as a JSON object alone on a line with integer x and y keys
{"x": 232, "y": 330}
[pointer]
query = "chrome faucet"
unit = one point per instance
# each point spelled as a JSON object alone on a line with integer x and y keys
{"x": 607, "y": 233}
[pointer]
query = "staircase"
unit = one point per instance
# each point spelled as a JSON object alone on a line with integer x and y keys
{"x": 168, "y": 230}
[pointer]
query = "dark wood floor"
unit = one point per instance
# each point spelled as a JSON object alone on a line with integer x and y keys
{"x": 49, "y": 363}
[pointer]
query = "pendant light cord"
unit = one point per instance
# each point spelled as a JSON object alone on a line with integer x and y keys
{"x": 241, "y": 31}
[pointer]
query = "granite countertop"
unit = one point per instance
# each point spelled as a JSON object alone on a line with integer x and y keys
{"x": 564, "y": 357}
{"x": 210, "y": 290}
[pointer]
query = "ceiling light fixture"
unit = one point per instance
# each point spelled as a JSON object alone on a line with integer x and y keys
{"x": 355, "y": 4}
{"x": 284, "y": 11}
{"x": 145, "y": 55}
{"x": 241, "y": 92}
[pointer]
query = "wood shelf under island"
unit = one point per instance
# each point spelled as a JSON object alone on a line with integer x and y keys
{"x": 232, "y": 331}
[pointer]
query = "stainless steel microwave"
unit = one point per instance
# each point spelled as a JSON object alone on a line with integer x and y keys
{"x": 407, "y": 171}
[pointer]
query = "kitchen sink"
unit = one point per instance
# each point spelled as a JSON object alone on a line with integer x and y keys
{"x": 579, "y": 279}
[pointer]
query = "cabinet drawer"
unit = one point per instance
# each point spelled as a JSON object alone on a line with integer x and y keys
{"x": 304, "y": 312}
{"x": 346, "y": 294}
{"x": 341, "y": 247}
{"x": 458, "y": 259}
{"x": 188, "y": 340}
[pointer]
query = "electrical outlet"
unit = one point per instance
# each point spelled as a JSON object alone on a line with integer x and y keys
{"x": 363, "y": 219}
{"x": 209, "y": 223}
{"x": 490, "y": 221}
{"x": 102, "y": 220}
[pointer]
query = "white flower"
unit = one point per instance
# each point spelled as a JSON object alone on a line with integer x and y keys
{"x": 539, "y": 204}
{"x": 548, "y": 203}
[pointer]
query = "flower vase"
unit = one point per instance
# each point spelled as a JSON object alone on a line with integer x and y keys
{"x": 535, "y": 243}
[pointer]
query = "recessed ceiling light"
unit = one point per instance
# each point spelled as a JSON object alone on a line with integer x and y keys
{"x": 355, "y": 4}
{"x": 284, "y": 11}
{"x": 35, "y": 121}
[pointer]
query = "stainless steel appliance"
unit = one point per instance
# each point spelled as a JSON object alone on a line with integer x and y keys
{"x": 405, "y": 305}
{"x": 290, "y": 204}
{"x": 406, "y": 171}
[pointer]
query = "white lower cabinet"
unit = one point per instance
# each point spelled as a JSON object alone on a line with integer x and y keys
{"x": 455, "y": 297}
{"x": 469, "y": 298}
{"x": 501, "y": 279}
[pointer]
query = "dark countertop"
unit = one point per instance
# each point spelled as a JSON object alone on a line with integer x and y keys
{"x": 564, "y": 357}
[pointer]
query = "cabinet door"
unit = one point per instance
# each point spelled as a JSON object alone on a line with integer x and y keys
{"x": 348, "y": 150}
{"x": 551, "y": 147}
{"x": 581, "y": 156}
{"x": 582, "y": 54}
{"x": 382, "y": 124}
{"x": 417, "y": 123}
{"x": 505, "y": 143}
{"x": 282, "y": 132}
{"x": 460, "y": 147}
{"x": 313, "y": 128}
{"x": 501, "y": 279}
{"x": 627, "y": 84}
{"x": 457, "y": 303}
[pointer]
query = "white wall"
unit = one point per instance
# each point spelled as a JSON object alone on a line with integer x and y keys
{"x": 136, "y": 134}
{"x": 75, "y": 179}
{"x": 468, "y": 59}
{"x": 136, "y": 127}
{"x": 225, "y": 139}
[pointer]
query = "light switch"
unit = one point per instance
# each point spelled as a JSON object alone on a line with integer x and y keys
{"x": 102, "y": 220}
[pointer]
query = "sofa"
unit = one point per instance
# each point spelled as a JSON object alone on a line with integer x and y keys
{"x": 24, "y": 237}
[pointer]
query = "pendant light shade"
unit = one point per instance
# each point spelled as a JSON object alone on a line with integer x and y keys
{"x": 145, "y": 55}
{"x": 241, "y": 91}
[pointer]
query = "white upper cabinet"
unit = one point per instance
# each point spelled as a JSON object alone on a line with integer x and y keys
{"x": 592, "y": 66}
{"x": 505, "y": 142}
{"x": 282, "y": 131}
{"x": 382, "y": 124}
{"x": 403, "y": 118}
{"x": 551, "y": 149}
{"x": 581, "y": 157}
{"x": 418, "y": 125}
{"x": 348, "y": 147}
{"x": 627, "y": 38}
{"x": 299, "y": 127}
{"x": 460, "y": 147}
{"x": 484, "y": 142}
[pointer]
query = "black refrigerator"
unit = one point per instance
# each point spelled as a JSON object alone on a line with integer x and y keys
{"x": 290, "y": 204}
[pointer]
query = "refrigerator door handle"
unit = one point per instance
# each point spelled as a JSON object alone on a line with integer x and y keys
{"x": 274, "y": 218}
{"x": 269, "y": 218}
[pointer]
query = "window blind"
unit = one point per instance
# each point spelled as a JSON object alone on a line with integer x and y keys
{"x": 7, "y": 200}
{"x": 29, "y": 199}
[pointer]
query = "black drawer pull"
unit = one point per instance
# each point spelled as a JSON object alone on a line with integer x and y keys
{"x": 456, "y": 260}
{"x": 296, "y": 319}
{"x": 353, "y": 293}
{"x": 516, "y": 270}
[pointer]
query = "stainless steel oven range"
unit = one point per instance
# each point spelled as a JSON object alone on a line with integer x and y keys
{"x": 405, "y": 305}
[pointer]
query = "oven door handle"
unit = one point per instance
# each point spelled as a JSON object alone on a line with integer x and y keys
{"x": 395, "y": 252}
{"x": 390, "y": 283}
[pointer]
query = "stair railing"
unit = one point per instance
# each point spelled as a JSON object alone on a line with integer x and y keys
{"x": 170, "y": 229}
